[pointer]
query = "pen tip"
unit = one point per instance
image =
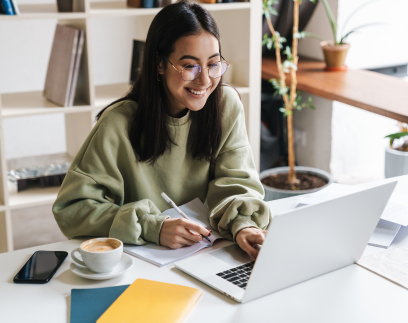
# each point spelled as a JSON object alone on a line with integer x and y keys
{"x": 165, "y": 197}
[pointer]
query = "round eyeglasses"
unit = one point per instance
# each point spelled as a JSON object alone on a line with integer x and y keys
{"x": 192, "y": 71}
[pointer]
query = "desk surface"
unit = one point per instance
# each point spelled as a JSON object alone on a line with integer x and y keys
{"x": 381, "y": 94}
{"x": 350, "y": 294}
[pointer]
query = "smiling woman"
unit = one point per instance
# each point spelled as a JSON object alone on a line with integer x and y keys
{"x": 179, "y": 131}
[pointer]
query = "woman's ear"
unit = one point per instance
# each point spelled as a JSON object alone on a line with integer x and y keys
{"x": 160, "y": 64}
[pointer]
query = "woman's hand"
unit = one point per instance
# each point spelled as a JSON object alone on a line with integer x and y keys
{"x": 248, "y": 238}
{"x": 176, "y": 233}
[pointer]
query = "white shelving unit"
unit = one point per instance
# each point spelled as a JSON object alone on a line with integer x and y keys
{"x": 110, "y": 28}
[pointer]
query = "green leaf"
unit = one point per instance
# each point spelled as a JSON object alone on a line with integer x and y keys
{"x": 397, "y": 135}
{"x": 343, "y": 39}
{"x": 311, "y": 106}
{"x": 283, "y": 110}
{"x": 354, "y": 12}
{"x": 332, "y": 20}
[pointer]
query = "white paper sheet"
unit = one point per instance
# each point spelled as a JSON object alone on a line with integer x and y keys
{"x": 391, "y": 264}
{"x": 384, "y": 234}
{"x": 161, "y": 256}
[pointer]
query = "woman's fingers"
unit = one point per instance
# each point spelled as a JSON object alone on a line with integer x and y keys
{"x": 196, "y": 227}
{"x": 176, "y": 233}
{"x": 247, "y": 247}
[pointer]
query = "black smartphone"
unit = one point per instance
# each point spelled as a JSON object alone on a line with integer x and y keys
{"x": 40, "y": 268}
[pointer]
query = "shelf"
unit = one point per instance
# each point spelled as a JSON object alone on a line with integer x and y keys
{"x": 106, "y": 94}
{"x": 33, "y": 103}
{"x": 33, "y": 197}
{"x": 116, "y": 8}
{"x": 121, "y": 9}
{"x": 42, "y": 11}
{"x": 359, "y": 88}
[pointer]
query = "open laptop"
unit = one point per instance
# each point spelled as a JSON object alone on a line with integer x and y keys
{"x": 301, "y": 244}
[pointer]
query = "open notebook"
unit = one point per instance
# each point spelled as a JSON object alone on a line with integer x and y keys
{"x": 161, "y": 256}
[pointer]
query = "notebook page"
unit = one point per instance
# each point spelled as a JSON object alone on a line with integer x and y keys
{"x": 160, "y": 255}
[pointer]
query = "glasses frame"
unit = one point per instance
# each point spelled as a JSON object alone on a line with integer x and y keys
{"x": 202, "y": 68}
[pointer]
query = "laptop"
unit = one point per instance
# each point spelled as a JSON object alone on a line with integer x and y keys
{"x": 301, "y": 244}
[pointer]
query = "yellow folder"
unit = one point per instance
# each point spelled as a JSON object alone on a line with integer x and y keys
{"x": 148, "y": 301}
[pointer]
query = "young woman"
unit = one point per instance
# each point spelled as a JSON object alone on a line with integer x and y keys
{"x": 177, "y": 131}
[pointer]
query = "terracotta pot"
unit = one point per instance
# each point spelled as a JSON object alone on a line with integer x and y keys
{"x": 335, "y": 55}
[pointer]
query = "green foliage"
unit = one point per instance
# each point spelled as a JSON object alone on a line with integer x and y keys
{"x": 397, "y": 135}
{"x": 267, "y": 8}
{"x": 279, "y": 89}
{"x": 340, "y": 39}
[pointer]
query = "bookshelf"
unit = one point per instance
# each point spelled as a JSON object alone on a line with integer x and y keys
{"x": 110, "y": 29}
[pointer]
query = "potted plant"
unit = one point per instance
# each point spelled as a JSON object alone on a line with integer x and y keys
{"x": 335, "y": 51}
{"x": 289, "y": 181}
{"x": 396, "y": 154}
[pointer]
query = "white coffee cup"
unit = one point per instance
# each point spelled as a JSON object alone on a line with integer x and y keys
{"x": 100, "y": 255}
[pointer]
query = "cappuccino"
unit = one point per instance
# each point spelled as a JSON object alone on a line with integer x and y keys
{"x": 100, "y": 246}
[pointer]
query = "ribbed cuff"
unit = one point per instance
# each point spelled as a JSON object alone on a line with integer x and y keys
{"x": 151, "y": 226}
{"x": 241, "y": 222}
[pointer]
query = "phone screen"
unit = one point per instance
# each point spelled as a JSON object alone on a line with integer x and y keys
{"x": 40, "y": 268}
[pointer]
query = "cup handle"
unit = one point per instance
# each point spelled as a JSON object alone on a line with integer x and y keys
{"x": 75, "y": 259}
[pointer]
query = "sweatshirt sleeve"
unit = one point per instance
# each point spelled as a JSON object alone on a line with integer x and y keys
{"x": 235, "y": 195}
{"x": 91, "y": 201}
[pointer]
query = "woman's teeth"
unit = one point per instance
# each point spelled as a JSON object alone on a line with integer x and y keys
{"x": 197, "y": 92}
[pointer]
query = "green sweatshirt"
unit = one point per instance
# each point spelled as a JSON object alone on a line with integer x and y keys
{"x": 107, "y": 192}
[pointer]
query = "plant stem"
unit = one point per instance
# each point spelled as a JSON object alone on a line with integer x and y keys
{"x": 293, "y": 84}
{"x": 282, "y": 80}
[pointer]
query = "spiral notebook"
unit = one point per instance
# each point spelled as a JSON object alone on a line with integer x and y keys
{"x": 161, "y": 256}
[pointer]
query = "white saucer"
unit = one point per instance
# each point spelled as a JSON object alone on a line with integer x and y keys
{"x": 125, "y": 263}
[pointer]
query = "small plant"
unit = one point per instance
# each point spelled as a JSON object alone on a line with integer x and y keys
{"x": 339, "y": 38}
{"x": 291, "y": 98}
{"x": 403, "y": 133}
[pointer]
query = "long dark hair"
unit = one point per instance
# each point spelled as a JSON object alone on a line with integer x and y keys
{"x": 149, "y": 133}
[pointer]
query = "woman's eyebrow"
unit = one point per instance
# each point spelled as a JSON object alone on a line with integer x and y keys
{"x": 197, "y": 59}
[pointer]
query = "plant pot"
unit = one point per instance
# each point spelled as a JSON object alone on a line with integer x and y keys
{"x": 335, "y": 55}
{"x": 396, "y": 162}
{"x": 276, "y": 194}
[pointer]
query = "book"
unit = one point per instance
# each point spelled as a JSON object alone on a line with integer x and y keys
{"x": 87, "y": 305}
{"x": 134, "y": 3}
{"x": 15, "y": 7}
{"x": 161, "y": 256}
{"x": 137, "y": 60}
{"x": 148, "y": 301}
{"x": 7, "y": 7}
{"x": 61, "y": 65}
{"x": 77, "y": 63}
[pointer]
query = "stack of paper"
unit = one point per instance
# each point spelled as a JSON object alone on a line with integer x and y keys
{"x": 395, "y": 213}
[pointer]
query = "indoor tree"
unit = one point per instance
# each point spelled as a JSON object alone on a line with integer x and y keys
{"x": 291, "y": 98}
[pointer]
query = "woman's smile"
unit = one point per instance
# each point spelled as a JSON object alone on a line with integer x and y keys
{"x": 198, "y": 93}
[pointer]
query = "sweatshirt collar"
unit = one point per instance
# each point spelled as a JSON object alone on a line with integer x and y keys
{"x": 178, "y": 121}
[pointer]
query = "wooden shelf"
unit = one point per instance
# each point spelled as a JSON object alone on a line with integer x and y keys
{"x": 33, "y": 103}
{"x": 43, "y": 11}
{"x": 33, "y": 197}
{"x": 381, "y": 94}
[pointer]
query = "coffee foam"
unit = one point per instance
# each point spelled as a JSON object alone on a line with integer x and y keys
{"x": 96, "y": 245}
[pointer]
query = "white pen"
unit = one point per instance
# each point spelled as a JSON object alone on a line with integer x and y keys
{"x": 168, "y": 200}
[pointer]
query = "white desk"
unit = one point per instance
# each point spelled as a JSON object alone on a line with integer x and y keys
{"x": 350, "y": 294}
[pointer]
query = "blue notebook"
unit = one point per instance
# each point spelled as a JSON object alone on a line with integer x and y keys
{"x": 87, "y": 305}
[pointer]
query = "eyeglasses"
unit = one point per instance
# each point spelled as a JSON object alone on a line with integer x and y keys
{"x": 192, "y": 71}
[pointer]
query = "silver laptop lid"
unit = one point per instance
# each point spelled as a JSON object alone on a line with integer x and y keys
{"x": 310, "y": 241}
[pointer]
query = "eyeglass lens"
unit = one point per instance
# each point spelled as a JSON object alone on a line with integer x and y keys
{"x": 190, "y": 72}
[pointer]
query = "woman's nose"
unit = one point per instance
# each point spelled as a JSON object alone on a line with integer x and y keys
{"x": 204, "y": 77}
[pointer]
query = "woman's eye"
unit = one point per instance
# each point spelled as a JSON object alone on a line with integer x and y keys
{"x": 189, "y": 66}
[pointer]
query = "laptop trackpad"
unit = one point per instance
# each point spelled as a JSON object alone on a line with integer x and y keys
{"x": 233, "y": 255}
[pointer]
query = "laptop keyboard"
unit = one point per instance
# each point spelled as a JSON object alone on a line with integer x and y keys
{"x": 239, "y": 275}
